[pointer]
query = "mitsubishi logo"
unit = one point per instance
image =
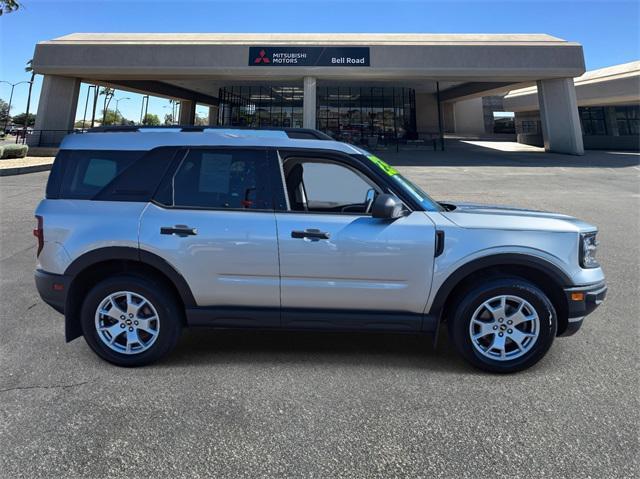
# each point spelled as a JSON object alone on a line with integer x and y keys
{"x": 262, "y": 58}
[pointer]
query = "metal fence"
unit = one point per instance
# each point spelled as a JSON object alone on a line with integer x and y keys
{"x": 43, "y": 138}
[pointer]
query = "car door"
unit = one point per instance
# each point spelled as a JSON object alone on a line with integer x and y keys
{"x": 213, "y": 221}
{"x": 341, "y": 268}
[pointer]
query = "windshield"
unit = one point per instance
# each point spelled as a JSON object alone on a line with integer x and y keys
{"x": 407, "y": 185}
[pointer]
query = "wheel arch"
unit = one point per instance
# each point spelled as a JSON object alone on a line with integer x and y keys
{"x": 88, "y": 269}
{"x": 544, "y": 274}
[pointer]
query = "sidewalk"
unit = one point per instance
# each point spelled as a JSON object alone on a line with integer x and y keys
{"x": 30, "y": 164}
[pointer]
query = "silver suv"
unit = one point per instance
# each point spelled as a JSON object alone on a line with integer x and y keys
{"x": 145, "y": 231}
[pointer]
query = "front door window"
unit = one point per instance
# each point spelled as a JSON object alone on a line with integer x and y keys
{"x": 319, "y": 186}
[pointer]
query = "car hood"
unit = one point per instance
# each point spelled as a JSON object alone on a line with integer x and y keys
{"x": 475, "y": 215}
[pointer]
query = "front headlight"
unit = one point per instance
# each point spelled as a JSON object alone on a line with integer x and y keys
{"x": 588, "y": 248}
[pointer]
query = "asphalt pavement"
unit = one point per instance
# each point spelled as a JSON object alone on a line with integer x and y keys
{"x": 242, "y": 404}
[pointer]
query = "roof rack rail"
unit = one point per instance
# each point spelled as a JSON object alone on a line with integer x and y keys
{"x": 294, "y": 133}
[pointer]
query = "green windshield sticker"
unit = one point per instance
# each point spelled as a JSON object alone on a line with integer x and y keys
{"x": 388, "y": 169}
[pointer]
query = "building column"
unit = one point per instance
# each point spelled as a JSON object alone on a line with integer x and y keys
{"x": 56, "y": 110}
{"x": 187, "y": 113}
{"x": 309, "y": 103}
{"x": 559, "y": 116}
{"x": 213, "y": 115}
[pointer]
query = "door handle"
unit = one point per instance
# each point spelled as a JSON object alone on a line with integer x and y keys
{"x": 179, "y": 230}
{"x": 310, "y": 233}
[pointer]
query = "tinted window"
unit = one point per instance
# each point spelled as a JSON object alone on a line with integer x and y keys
{"x": 82, "y": 174}
{"x": 140, "y": 180}
{"x": 236, "y": 179}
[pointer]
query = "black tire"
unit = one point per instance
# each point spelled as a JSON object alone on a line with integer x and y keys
{"x": 170, "y": 318}
{"x": 472, "y": 299}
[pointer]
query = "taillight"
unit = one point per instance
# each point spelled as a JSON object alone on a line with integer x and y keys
{"x": 38, "y": 232}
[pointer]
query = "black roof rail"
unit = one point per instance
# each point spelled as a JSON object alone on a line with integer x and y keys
{"x": 306, "y": 134}
{"x": 294, "y": 133}
{"x": 114, "y": 129}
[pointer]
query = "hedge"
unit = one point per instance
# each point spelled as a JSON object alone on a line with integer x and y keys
{"x": 13, "y": 151}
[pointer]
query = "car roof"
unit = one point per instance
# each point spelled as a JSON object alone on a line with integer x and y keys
{"x": 144, "y": 139}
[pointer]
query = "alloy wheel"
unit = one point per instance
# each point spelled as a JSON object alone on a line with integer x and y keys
{"x": 504, "y": 328}
{"x": 127, "y": 322}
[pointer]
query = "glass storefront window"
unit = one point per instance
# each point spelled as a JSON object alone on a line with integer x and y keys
{"x": 256, "y": 106}
{"x": 592, "y": 120}
{"x": 360, "y": 115}
{"x": 628, "y": 120}
{"x": 366, "y": 115}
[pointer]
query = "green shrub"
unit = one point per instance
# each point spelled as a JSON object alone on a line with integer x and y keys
{"x": 14, "y": 151}
{"x": 1, "y": 151}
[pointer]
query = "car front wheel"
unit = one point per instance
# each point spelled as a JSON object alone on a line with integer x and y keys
{"x": 504, "y": 325}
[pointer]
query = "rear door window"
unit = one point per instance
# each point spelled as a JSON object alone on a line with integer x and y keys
{"x": 224, "y": 179}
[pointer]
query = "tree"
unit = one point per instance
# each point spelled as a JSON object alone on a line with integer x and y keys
{"x": 8, "y": 6}
{"x": 108, "y": 95}
{"x": 151, "y": 120}
{"x": 110, "y": 117}
{"x": 20, "y": 119}
{"x": 29, "y": 69}
{"x": 4, "y": 111}
{"x": 168, "y": 119}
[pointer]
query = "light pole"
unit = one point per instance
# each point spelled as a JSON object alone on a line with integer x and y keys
{"x": 144, "y": 109}
{"x": 86, "y": 105}
{"x": 118, "y": 100}
{"x": 13, "y": 85}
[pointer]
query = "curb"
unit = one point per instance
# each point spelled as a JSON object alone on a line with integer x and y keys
{"x": 21, "y": 170}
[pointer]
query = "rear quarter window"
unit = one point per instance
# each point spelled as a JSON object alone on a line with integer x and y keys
{"x": 88, "y": 174}
{"x": 82, "y": 174}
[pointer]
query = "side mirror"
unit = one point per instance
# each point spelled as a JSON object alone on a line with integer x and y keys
{"x": 387, "y": 207}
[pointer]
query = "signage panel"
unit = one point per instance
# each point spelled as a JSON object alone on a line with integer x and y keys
{"x": 309, "y": 56}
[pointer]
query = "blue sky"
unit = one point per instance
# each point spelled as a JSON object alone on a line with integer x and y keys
{"x": 608, "y": 30}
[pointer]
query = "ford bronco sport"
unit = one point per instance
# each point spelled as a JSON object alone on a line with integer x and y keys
{"x": 146, "y": 231}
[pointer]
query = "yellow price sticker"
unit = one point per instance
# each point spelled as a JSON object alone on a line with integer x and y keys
{"x": 388, "y": 169}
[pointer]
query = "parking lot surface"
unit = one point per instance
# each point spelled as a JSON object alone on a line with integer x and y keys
{"x": 242, "y": 404}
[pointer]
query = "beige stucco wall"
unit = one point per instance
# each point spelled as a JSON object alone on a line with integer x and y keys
{"x": 426, "y": 113}
{"x": 468, "y": 116}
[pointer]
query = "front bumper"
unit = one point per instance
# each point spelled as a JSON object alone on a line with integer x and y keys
{"x": 581, "y": 301}
{"x": 52, "y": 288}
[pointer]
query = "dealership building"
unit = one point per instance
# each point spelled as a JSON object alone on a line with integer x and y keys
{"x": 356, "y": 87}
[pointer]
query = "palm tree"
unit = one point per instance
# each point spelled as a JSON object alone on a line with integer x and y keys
{"x": 108, "y": 95}
{"x": 8, "y": 6}
{"x": 29, "y": 69}
{"x": 175, "y": 105}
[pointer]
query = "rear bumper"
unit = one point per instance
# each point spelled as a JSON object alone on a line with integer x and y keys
{"x": 52, "y": 289}
{"x": 581, "y": 301}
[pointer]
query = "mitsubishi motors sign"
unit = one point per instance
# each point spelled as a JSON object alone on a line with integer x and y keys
{"x": 309, "y": 56}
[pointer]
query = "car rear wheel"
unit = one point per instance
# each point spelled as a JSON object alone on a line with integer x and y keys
{"x": 130, "y": 320}
{"x": 503, "y": 326}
